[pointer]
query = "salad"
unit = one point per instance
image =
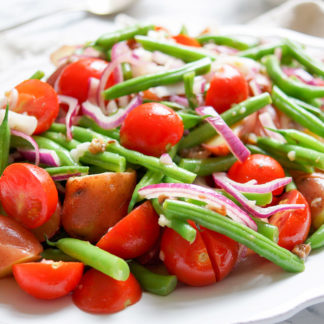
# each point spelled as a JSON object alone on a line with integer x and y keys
{"x": 148, "y": 160}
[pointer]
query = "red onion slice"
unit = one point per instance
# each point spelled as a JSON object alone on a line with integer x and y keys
{"x": 165, "y": 158}
{"x": 109, "y": 122}
{"x": 31, "y": 141}
{"x": 179, "y": 100}
{"x": 221, "y": 181}
{"x": 209, "y": 196}
{"x": 20, "y": 122}
{"x": 93, "y": 84}
{"x": 47, "y": 157}
{"x": 234, "y": 143}
{"x": 267, "y": 122}
{"x": 72, "y": 111}
{"x": 63, "y": 177}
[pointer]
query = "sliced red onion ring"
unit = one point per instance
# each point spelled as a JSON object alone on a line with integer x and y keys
{"x": 179, "y": 100}
{"x": 252, "y": 186}
{"x": 267, "y": 122}
{"x": 93, "y": 84}
{"x": 301, "y": 74}
{"x": 13, "y": 98}
{"x": 209, "y": 196}
{"x": 109, "y": 122}
{"x": 72, "y": 111}
{"x": 47, "y": 157}
{"x": 234, "y": 143}
{"x": 20, "y": 122}
{"x": 165, "y": 158}
{"x": 221, "y": 181}
{"x": 63, "y": 177}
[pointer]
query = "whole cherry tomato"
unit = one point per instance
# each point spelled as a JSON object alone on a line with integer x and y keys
{"x": 260, "y": 167}
{"x": 28, "y": 194}
{"x": 186, "y": 40}
{"x": 227, "y": 87}
{"x": 98, "y": 293}
{"x": 151, "y": 128}
{"x": 38, "y": 99}
{"x": 48, "y": 279}
{"x": 293, "y": 225}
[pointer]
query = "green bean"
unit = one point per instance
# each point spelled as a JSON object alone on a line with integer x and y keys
{"x": 189, "y": 120}
{"x": 204, "y": 167}
{"x": 38, "y": 75}
{"x": 295, "y": 112}
{"x": 152, "y": 282}
{"x": 291, "y": 87}
{"x": 145, "y": 82}
{"x": 150, "y": 162}
{"x": 188, "y": 80}
{"x": 173, "y": 105}
{"x": 87, "y": 122}
{"x": 75, "y": 169}
{"x": 95, "y": 257}
{"x": 291, "y": 185}
{"x": 304, "y": 155}
{"x": 316, "y": 240}
{"x": 312, "y": 109}
{"x": 56, "y": 255}
{"x": 302, "y": 57}
{"x": 4, "y": 141}
{"x": 267, "y": 230}
{"x": 225, "y": 40}
{"x": 231, "y": 116}
{"x": 107, "y": 40}
{"x": 184, "y": 30}
{"x": 236, "y": 231}
{"x": 183, "y": 52}
{"x": 260, "y": 51}
{"x": 127, "y": 71}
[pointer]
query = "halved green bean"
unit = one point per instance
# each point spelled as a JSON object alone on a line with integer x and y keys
{"x": 302, "y": 57}
{"x": 189, "y": 120}
{"x": 107, "y": 40}
{"x": 291, "y": 87}
{"x": 127, "y": 70}
{"x": 4, "y": 141}
{"x": 152, "y": 282}
{"x": 236, "y": 231}
{"x": 231, "y": 116}
{"x": 188, "y": 80}
{"x": 38, "y": 75}
{"x": 297, "y": 113}
{"x": 260, "y": 51}
{"x": 95, "y": 257}
{"x": 74, "y": 169}
{"x": 291, "y": 185}
{"x": 312, "y": 109}
{"x": 173, "y": 105}
{"x": 316, "y": 240}
{"x": 183, "y": 52}
{"x": 226, "y": 40}
{"x": 145, "y": 82}
{"x": 267, "y": 230}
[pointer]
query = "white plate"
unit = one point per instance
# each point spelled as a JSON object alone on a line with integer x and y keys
{"x": 256, "y": 292}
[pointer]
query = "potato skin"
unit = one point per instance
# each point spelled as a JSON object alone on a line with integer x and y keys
{"x": 96, "y": 202}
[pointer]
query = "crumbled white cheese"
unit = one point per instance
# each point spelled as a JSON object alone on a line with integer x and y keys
{"x": 79, "y": 151}
{"x": 291, "y": 155}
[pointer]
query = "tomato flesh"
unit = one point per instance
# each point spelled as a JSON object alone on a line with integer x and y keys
{"x": 28, "y": 194}
{"x": 186, "y": 40}
{"x": 227, "y": 87}
{"x": 151, "y": 128}
{"x": 98, "y": 293}
{"x": 293, "y": 225}
{"x": 48, "y": 279}
{"x": 134, "y": 234}
{"x": 38, "y": 99}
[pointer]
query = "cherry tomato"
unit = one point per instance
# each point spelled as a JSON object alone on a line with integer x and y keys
{"x": 186, "y": 40}
{"x": 39, "y": 99}
{"x": 48, "y": 279}
{"x": 293, "y": 225}
{"x": 260, "y": 167}
{"x": 150, "y": 128}
{"x": 74, "y": 80}
{"x": 134, "y": 234}
{"x": 28, "y": 194}
{"x": 227, "y": 87}
{"x": 98, "y": 293}
{"x": 189, "y": 262}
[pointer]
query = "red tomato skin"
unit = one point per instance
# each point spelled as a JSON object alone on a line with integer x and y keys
{"x": 293, "y": 225}
{"x": 74, "y": 80}
{"x": 227, "y": 87}
{"x": 49, "y": 279}
{"x": 150, "y": 128}
{"x": 100, "y": 294}
{"x": 260, "y": 167}
{"x": 134, "y": 234}
{"x": 39, "y": 99}
{"x": 186, "y": 40}
{"x": 189, "y": 262}
{"x": 28, "y": 194}
{"x": 222, "y": 250}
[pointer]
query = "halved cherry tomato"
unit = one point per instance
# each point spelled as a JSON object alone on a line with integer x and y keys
{"x": 227, "y": 87}
{"x": 260, "y": 167}
{"x": 74, "y": 80}
{"x": 39, "y": 99}
{"x": 48, "y": 279}
{"x": 293, "y": 225}
{"x": 28, "y": 194}
{"x": 189, "y": 262}
{"x": 150, "y": 128}
{"x": 186, "y": 40}
{"x": 98, "y": 293}
{"x": 134, "y": 234}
